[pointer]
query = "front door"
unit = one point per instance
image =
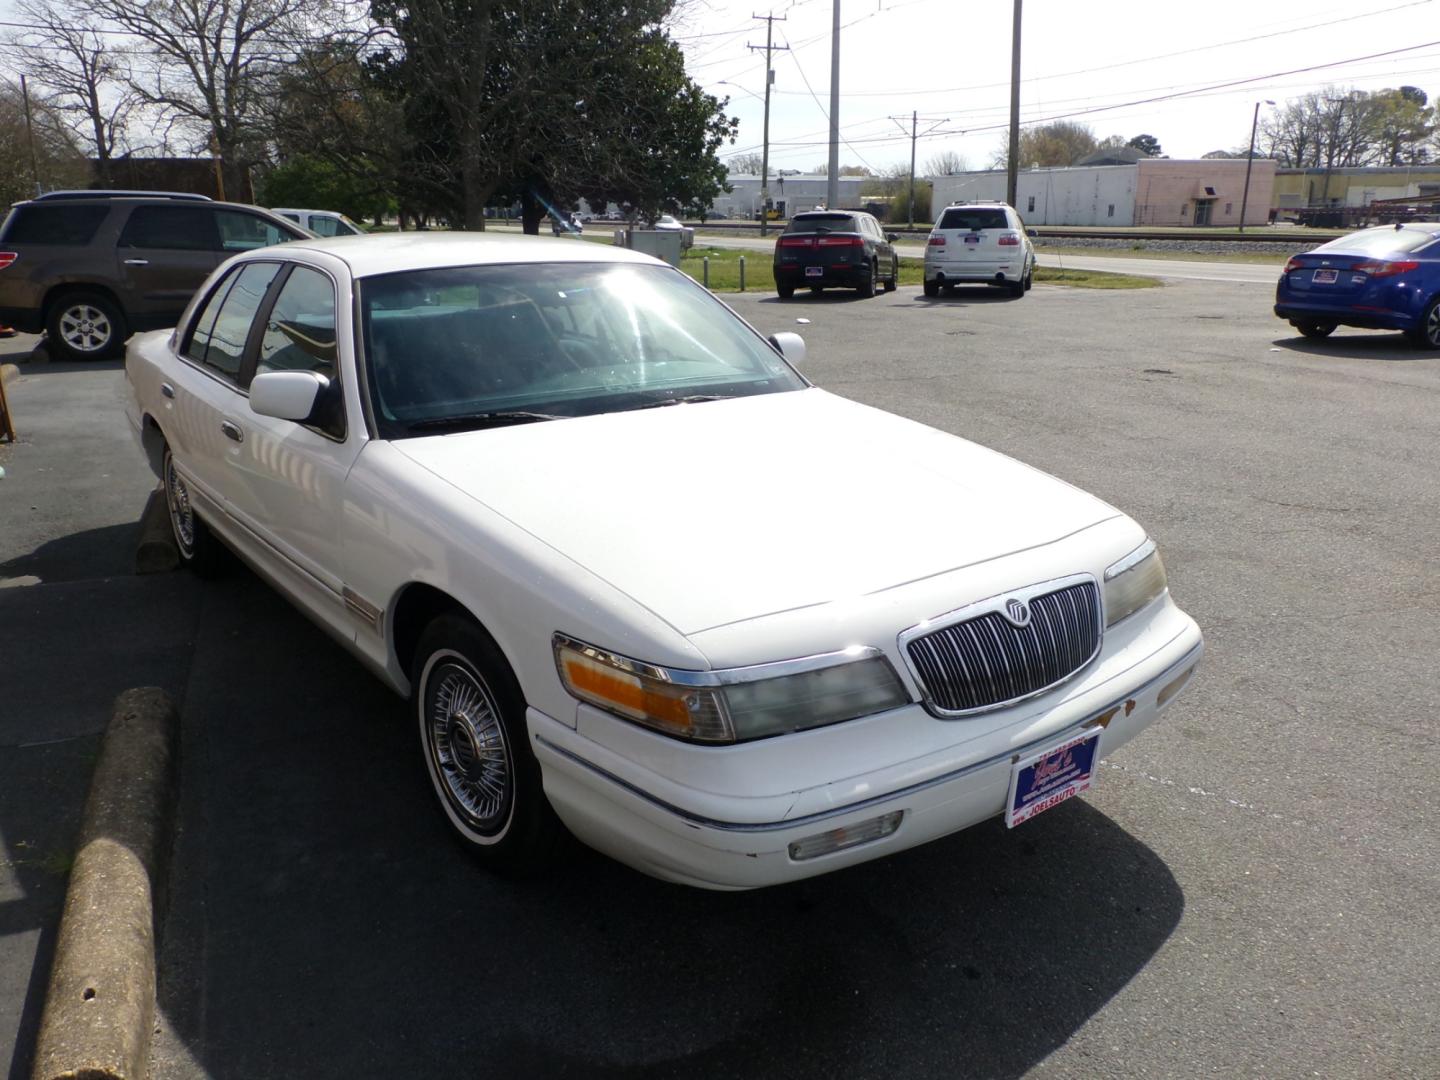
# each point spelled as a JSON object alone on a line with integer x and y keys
{"x": 1202, "y": 211}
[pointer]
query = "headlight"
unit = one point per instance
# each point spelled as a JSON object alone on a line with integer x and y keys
{"x": 733, "y": 705}
{"x": 1133, "y": 582}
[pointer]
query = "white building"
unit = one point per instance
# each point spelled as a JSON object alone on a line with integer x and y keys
{"x": 1084, "y": 195}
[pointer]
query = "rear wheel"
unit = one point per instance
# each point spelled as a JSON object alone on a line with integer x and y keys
{"x": 893, "y": 281}
{"x": 1427, "y": 334}
{"x": 471, "y": 716}
{"x": 866, "y": 288}
{"x": 197, "y": 547}
{"x": 1017, "y": 288}
{"x": 785, "y": 292}
{"x": 85, "y": 326}
{"x": 932, "y": 289}
{"x": 1029, "y": 278}
{"x": 1316, "y": 330}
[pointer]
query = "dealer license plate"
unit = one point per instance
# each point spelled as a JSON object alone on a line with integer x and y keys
{"x": 814, "y": 271}
{"x": 1324, "y": 277}
{"x": 1047, "y": 779}
{"x": 972, "y": 238}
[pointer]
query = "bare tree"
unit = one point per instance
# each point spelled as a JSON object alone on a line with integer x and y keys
{"x": 946, "y": 163}
{"x": 746, "y": 164}
{"x": 59, "y": 161}
{"x": 200, "y": 65}
{"x": 84, "y": 78}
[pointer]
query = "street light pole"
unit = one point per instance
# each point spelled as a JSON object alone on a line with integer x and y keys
{"x": 1249, "y": 161}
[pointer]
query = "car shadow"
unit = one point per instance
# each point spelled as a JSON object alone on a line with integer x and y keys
{"x": 323, "y": 923}
{"x": 38, "y": 361}
{"x": 102, "y": 552}
{"x": 836, "y": 295}
{"x": 1381, "y": 345}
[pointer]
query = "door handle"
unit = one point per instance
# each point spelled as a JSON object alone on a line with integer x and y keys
{"x": 232, "y": 431}
{"x": 137, "y": 262}
{"x": 167, "y": 390}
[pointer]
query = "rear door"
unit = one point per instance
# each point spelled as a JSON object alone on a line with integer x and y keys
{"x": 164, "y": 253}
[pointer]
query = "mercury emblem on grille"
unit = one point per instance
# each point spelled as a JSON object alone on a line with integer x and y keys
{"x": 1017, "y": 612}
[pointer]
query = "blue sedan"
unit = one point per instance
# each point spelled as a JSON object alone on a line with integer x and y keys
{"x": 1386, "y": 278}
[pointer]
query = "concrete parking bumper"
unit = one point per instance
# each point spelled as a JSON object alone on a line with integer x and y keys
{"x": 100, "y": 1008}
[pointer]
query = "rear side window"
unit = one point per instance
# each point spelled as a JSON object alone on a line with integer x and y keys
{"x": 245, "y": 232}
{"x": 64, "y": 225}
{"x": 973, "y": 217}
{"x": 171, "y": 228}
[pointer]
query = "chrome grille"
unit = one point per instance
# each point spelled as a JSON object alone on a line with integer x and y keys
{"x": 987, "y": 661}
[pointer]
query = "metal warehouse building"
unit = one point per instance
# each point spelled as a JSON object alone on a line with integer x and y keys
{"x": 1153, "y": 191}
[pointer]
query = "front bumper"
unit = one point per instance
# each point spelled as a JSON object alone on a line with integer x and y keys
{"x": 700, "y": 838}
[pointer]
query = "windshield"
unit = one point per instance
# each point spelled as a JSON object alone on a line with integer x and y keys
{"x": 1382, "y": 241}
{"x": 479, "y": 346}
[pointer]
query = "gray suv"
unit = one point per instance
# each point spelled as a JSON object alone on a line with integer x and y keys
{"x": 92, "y": 267}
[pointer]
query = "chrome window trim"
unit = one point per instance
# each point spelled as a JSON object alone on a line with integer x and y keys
{"x": 719, "y": 677}
{"x": 996, "y": 604}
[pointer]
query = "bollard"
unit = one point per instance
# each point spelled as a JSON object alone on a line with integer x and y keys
{"x": 705, "y": 271}
{"x": 742, "y": 273}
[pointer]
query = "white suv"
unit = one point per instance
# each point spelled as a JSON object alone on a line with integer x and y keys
{"x": 979, "y": 243}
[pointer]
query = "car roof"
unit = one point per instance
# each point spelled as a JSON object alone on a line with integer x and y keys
{"x": 388, "y": 253}
{"x": 298, "y": 210}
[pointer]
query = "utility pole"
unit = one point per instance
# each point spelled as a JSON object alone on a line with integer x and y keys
{"x": 30, "y": 134}
{"x": 1250, "y": 160}
{"x": 915, "y": 134}
{"x": 832, "y": 189}
{"x": 770, "y": 21}
{"x": 1012, "y": 168}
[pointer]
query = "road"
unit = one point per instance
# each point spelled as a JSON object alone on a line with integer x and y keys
{"x": 1244, "y": 893}
{"x": 1176, "y": 269}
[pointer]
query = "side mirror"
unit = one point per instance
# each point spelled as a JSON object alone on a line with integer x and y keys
{"x": 1032, "y": 232}
{"x": 790, "y": 346}
{"x": 892, "y": 236}
{"x": 287, "y": 395}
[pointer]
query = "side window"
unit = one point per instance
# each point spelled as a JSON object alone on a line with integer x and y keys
{"x": 205, "y": 322}
{"x": 226, "y": 346}
{"x": 324, "y": 226}
{"x": 300, "y": 334}
{"x": 171, "y": 228}
{"x": 240, "y": 231}
{"x": 67, "y": 225}
{"x": 290, "y": 217}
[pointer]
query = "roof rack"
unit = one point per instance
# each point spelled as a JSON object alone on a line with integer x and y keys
{"x": 183, "y": 195}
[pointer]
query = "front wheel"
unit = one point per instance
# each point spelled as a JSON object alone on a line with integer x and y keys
{"x": 1316, "y": 330}
{"x": 1427, "y": 334}
{"x": 471, "y": 716}
{"x": 85, "y": 326}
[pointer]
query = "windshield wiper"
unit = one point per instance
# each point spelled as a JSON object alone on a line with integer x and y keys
{"x": 482, "y": 420}
{"x": 688, "y": 399}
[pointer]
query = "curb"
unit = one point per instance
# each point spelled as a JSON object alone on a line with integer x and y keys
{"x": 156, "y": 553}
{"x": 100, "y": 1008}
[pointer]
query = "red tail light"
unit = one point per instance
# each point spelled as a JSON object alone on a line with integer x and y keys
{"x": 840, "y": 241}
{"x": 937, "y": 241}
{"x": 797, "y": 241}
{"x": 1009, "y": 240}
{"x": 8, "y": 257}
{"x": 1293, "y": 264}
{"x": 1385, "y": 269}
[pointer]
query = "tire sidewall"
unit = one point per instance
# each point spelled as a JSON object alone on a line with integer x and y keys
{"x": 170, "y": 476}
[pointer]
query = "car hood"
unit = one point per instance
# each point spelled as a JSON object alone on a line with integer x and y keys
{"x": 710, "y": 514}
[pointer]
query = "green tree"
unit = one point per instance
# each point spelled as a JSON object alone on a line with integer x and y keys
{"x": 1058, "y": 143}
{"x": 321, "y": 185}
{"x": 1146, "y": 144}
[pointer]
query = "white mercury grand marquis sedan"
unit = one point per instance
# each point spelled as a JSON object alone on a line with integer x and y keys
{"x": 633, "y": 572}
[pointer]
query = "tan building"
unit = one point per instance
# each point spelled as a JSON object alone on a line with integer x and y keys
{"x": 1296, "y": 188}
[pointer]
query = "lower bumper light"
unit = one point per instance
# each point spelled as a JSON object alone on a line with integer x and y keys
{"x": 851, "y": 836}
{"x": 1173, "y": 687}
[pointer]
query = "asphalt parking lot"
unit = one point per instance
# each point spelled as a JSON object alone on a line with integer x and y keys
{"x": 1248, "y": 891}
